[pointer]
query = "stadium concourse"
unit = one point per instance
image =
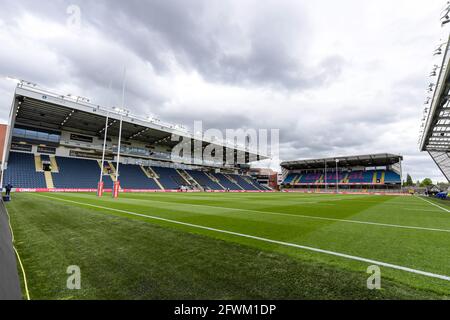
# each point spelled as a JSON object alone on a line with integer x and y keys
{"x": 61, "y": 143}
{"x": 364, "y": 173}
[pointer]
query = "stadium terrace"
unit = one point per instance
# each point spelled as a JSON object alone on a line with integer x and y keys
{"x": 65, "y": 143}
{"x": 375, "y": 172}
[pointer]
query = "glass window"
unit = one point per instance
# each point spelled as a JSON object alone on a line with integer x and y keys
{"x": 31, "y": 134}
{"x": 42, "y": 135}
{"x": 19, "y": 132}
{"x": 53, "y": 137}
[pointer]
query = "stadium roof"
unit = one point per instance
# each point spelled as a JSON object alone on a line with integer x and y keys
{"x": 435, "y": 137}
{"x": 373, "y": 160}
{"x": 36, "y": 107}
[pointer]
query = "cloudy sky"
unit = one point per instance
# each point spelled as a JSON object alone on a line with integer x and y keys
{"x": 336, "y": 77}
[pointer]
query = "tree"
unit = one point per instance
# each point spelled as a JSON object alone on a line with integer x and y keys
{"x": 409, "y": 181}
{"x": 426, "y": 182}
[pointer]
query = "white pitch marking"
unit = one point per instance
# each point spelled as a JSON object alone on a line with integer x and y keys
{"x": 287, "y": 244}
{"x": 434, "y": 204}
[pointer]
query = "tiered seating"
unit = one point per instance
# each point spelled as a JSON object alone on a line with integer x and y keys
{"x": 361, "y": 177}
{"x": 244, "y": 184}
{"x": 310, "y": 178}
{"x": 357, "y": 177}
{"x": 391, "y": 177}
{"x": 225, "y": 182}
{"x": 75, "y": 173}
{"x": 255, "y": 183}
{"x": 21, "y": 172}
{"x": 78, "y": 174}
{"x": 132, "y": 177}
{"x": 289, "y": 178}
{"x": 168, "y": 177}
{"x": 204, "y": 180}
{"x": 331, "y": 177}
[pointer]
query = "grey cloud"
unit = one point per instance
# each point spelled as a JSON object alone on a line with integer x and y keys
{"x": 229, "y": 44}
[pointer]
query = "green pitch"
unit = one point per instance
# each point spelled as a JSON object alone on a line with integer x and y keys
{"x": 232, "y": 245}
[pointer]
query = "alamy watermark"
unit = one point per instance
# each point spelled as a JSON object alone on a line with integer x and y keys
{"x": 374, "y": 281}
{"x": 74, "y": 279}
{"x": 248, "y": 144}
{"x": 74, "y": 17}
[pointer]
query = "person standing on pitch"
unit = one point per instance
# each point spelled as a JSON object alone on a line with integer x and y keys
{"x": 8, "y": 188}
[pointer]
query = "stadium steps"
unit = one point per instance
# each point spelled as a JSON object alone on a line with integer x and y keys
{"x": 375, "y": 175}
{"x": 233, "y": 181}
{"x": 49, "y": 179}
{"x": 383, "y": 174}
{"x": 185, "y": 177}
{"x": 203, "y": 180}
{"x": 296, "y": 179}
{"x": 105, "y": 172}
{"x": 345, "y": 179}
{"x": 252, "y": 182}
{"x": 113, "y": 171}
{"x": 38, "y": 163}
{"x": 321, "y": 179}
{"x": 54, "y": 164}
{"x": 189, "y": 178}
{"x": 152, "y": 175}
{"x": 214, "y": 179}
{"x": 226, "y": 183}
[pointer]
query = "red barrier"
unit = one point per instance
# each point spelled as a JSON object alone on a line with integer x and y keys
{"x": 123, "y": 190}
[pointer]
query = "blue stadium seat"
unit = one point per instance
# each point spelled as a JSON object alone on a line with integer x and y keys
{"x": 289, "y": 178}
{"x": 225, "y": 182}
{"x": 244, "y": 184}
{"x": 169, "y": 178}
{"x": 132, "y": 177}
{"x": 204, "y": 180}
{"x": 391, "y": 177}
{"x": 21, "y": 172}
{"x": 78, "y": 174}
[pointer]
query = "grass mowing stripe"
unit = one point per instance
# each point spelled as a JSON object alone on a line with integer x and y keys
{"x": 303, "y": 216}
{"x": 434, "y": 204}
{"x": 287, "y": 244}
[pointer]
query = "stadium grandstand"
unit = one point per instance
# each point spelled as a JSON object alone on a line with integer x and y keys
{"x": 435, "y": 129}
{"x": 64, "y": 143}
{"x": 375, "y": 172}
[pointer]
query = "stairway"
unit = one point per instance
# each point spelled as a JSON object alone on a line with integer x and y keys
{"x": 234, "y": 181}
{"x": 375, "y": 175}
{"x": 38, "y": 163}
{"x": 345, "y": 179}
{"x": 49, "y": 179}
{"x": 54, "y": 164}
{"x": 251, "y": 182}
{"x": 113, "y": 171}
{"x": 182, "y": 174}
{"x": 152, "y": 175}
{"x": 191, "y": 180}
{"x": 320, "y": 180}
{"x": 383, "y": 174}
{"x": 214, "y": 179}
{"x": 105, "y": 172}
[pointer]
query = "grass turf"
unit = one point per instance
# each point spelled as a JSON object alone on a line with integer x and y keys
{"x": 123, "y": 256}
